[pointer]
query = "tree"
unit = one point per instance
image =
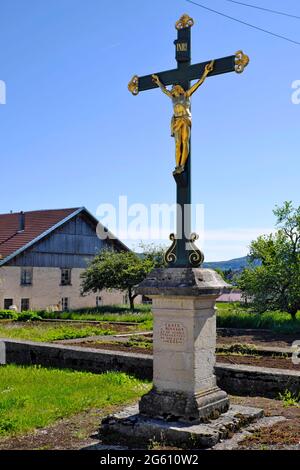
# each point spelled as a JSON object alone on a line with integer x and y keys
{"x": 154, "y": 253}
{"x": 228, "y": 275}
{"x": 118, "y": 270}
{"x": 220, "y": 272}
{"x": 275, "y": 283}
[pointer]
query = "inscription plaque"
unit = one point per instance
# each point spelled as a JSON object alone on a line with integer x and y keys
{"x": 172, "y": 333}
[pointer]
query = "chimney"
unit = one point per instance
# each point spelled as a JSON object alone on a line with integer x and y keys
{"x": 21, "y": 222}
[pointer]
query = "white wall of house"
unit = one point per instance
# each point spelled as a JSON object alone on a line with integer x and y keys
{"x": 46, "y": 289}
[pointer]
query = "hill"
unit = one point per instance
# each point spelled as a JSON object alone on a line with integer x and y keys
{"x": 236, "y": 264}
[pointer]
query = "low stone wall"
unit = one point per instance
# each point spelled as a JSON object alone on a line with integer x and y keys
{"x": 235, "y": 379}
{"x": 70, "y": 357}
{"x": 257, "y": 381}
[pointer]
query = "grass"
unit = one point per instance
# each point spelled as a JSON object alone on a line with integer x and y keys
{"x": 119, "y": 313}
{"x": 142, "y": 315}
{"x": 116, "y": 312}
{"x": 289, "y": 399}
{"x": 47, "y": 332}
{"x": 134, "y": 342}
{"x": 143, "y": 343}
{"x": 239, "y": 349}
{"x": 35, "y": 397}
{"x": 235, "y": 316}
{"x": 143, "y": 320}
{"x": 231, "y": 315}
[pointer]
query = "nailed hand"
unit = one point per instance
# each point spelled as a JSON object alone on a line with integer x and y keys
{"x": 155, "y": 79}
{"x": 209, "y": 67}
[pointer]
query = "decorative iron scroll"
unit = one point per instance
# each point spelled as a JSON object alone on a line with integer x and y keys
{"x": 196, "y": 258}
{"x": 170, "y": 255}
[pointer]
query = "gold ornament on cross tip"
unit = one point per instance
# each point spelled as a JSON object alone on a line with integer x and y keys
{"x": 133, "y": 85}
{"x": 241, "y": 61}
{"x": 184, "y": 22}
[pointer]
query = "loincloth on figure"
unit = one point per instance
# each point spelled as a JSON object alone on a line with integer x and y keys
{"x": 179, "y": 123}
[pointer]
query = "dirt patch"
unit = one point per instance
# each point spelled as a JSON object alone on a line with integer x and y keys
{"x": 259, "y": 338}
{"x": 70, "y": 433}
{"x": 114, "y": 346}
{"x": 119, "y": 328}
{"x": 66, "y": 434}
{"x": 280, "y": 436}
{"x": 259, "y": 361}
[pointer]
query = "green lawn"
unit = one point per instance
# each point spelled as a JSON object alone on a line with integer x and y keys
{"x": 141, "y": 315}
{"x": 231, "y": 315}
{"x": 47, "y": 332}
{"x": 34, "y": 397}
{"x": 235, "y": 316}
{"x": 120, "y": 313}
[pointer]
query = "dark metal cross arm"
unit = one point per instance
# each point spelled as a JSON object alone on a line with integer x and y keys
{"x": 183, "y": 252}
{"x": 192, "y": 72}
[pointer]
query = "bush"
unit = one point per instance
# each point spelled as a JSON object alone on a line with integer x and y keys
{"x": 8, "y": 315}
{"x": 28, "y": 316}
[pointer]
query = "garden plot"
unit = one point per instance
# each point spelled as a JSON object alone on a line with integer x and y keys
{"x": 230, "y": 353}
{"x": 255, "y": 336}
{"x": 48, "y": 332}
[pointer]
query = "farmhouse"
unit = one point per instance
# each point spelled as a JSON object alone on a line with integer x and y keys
{"x": 43, "y": 253}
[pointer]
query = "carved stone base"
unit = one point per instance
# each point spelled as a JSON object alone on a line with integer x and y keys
{"x": 184, "y": 344}
{"x": 130, "y": 428}
{"x": 185, "y": 407}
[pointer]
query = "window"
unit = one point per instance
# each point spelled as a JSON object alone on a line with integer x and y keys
{"x": 25, "y": 305}
{"x": 26, "y": 276}
{"x": 98, "y": 301}
{"x": 65, "y": 304}
{"x": 146, "y": 300}
{"x": 8, "y": 303}
{"x": 65, "y": 277}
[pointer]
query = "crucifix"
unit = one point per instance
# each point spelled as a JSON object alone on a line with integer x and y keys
{"x": 183, "y": 251}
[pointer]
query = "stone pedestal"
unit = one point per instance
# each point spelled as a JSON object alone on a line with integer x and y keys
{"x": 185, "y": 408}
{"x": 184, "y": 342}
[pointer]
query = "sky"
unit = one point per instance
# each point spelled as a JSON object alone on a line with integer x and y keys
{"x": 72, "y": 135}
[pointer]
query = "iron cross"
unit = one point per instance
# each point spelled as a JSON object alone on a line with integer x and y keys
{"x": 183, "y": 252}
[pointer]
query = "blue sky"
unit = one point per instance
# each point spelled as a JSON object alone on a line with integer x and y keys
{"x": 72, "y": 135}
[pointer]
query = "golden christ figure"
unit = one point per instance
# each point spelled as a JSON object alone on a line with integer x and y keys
{"x": 182, "y": 119}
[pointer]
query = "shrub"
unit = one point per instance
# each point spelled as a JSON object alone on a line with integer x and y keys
{"x": 8, "y": 315}
{"x": 28, "y": 316}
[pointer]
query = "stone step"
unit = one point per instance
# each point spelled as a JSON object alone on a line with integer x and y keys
{"x": 131, "y": 426}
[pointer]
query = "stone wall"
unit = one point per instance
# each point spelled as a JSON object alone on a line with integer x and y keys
{"x": 257, "y": 381}
{"x": 82, "y": 359}
{"x": 234, "y": 379}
